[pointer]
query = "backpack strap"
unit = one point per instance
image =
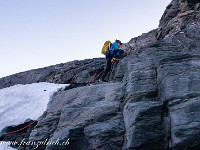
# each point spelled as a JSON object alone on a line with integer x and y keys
{"x": 109, "y": 46}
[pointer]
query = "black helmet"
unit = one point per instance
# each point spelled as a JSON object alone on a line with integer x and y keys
{"x": 118, "y": 41}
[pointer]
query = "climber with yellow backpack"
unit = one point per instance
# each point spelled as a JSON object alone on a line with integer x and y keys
{"x": 112, "y": 53}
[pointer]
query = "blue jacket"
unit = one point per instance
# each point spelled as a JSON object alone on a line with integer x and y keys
{"x": 114, "y": 46}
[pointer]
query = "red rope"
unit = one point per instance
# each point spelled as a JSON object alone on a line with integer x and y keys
{"x": 94, "y": 78}
{"x": 25, "y": 126}
{"x": 46, "y": 111}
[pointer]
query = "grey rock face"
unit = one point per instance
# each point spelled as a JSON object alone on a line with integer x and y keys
{"x": 176, "y": 64}
{"x": 162, "y": 89}
{"x": 151, "y": 101}
{"x": 91, "y": 117}
{"x": 75, "y": 72}
{"x": 159, "y": 86}
{"x": 179, "y": 15}
{"x": 140, "y": 41}
{"x": 141, "y": 80}
{"x": 143, "y": 119}
{"x": 185, "y": 122}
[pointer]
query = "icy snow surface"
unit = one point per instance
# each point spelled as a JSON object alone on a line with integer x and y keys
{"x": 6, "y": 147}
{"x": 21, "y": 102}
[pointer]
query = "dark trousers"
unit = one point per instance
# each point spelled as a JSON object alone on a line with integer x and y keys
{"x": 109, "y": 55}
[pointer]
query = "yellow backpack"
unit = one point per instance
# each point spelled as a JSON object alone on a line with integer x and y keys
{"x": 106, "y": 47}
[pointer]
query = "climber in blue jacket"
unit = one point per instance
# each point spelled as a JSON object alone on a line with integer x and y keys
{"x": 112, "y": 54}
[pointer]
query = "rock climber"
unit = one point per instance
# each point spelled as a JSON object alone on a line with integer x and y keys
{"x": 112, "y": 55}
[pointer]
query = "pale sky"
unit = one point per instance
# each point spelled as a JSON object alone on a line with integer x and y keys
{"x": 40, "y": 33}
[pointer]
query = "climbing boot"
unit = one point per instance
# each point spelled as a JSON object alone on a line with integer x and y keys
{"x": 102, "y": 80}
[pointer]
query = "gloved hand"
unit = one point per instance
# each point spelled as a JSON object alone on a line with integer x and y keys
{"x": 115, "y": 60}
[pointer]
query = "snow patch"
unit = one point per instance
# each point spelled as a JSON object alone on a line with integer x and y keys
{"x": 6, "y": 147}
{"x": 21, "y": 102}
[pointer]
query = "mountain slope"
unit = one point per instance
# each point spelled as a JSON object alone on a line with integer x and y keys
{"x": 151, "y": 101}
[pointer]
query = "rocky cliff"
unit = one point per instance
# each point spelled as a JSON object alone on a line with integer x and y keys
{"x": 151, "y": 100}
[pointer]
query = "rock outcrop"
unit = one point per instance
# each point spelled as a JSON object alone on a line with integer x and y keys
{"x": 179, "y": 15}
{"x": 140, "y": 41}
{"x": 162, "y": 93}
{"x": 151, "y": 100}
{"x": 75, "y": 73}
